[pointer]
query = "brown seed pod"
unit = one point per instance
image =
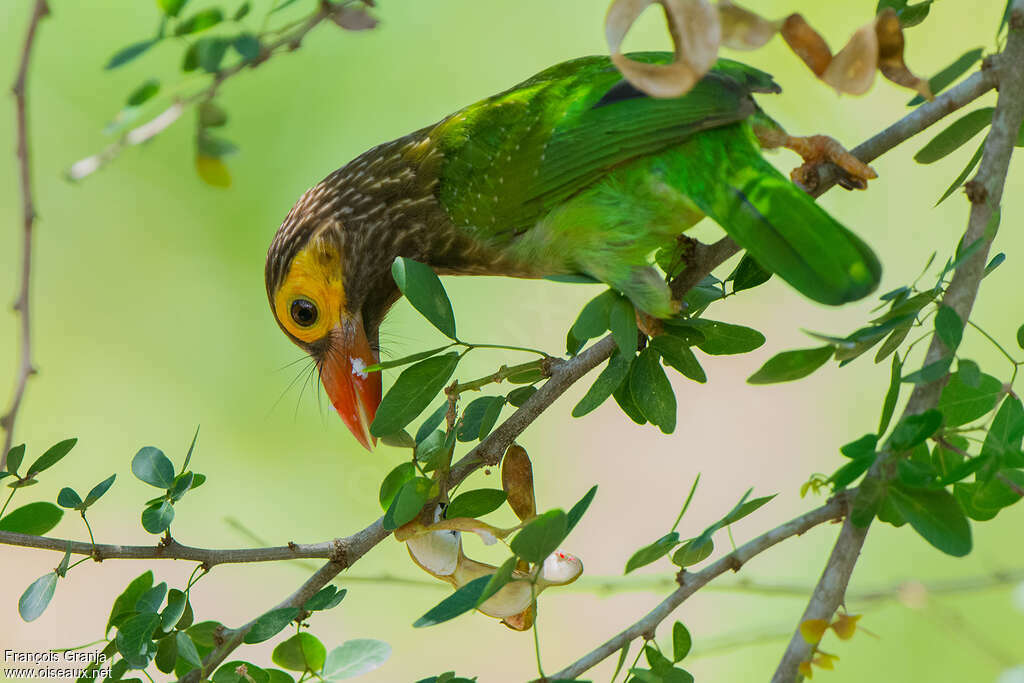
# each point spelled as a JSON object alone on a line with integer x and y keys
{"x": 517, "y": 481}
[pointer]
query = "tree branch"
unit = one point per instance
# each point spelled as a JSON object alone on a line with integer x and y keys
{"x": 691, "y": 583}
{"x": 25, "y": 368}
{"x": 984, "y": 192}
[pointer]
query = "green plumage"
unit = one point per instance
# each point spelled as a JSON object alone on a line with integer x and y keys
{"x": 574, "y": 171}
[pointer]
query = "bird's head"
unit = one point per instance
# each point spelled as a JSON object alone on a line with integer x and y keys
{"x": 331, "y": 305}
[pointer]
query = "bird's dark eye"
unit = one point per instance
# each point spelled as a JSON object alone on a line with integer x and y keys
{"x": 303, "y": 312}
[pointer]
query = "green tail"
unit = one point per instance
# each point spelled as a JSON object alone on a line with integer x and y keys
{"x": 776, "y": 222}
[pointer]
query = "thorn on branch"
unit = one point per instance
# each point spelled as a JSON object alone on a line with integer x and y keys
{"x": 976, "y": 192}
{"x": 340, "y": 554}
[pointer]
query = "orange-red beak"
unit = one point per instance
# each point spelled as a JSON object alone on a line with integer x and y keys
{"x": 354, "y": 392}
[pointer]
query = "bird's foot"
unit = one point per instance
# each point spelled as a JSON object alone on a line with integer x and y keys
{"x": 854, "y": 174}
{"x": 652, "y": 326}
{"x": 815, "y": 150}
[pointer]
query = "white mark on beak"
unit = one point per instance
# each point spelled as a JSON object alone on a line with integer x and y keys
{"x": 359, "y": 368}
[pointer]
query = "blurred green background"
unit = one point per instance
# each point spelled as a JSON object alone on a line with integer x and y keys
{"x": 151, "y": 317}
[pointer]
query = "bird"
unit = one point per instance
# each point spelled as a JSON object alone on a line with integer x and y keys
{"x": 574, "y": 171}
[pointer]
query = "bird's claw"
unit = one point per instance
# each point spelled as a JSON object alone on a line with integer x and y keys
{"x": 815, "y": 150}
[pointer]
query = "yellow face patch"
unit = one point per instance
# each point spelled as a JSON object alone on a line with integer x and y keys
{"x": 309, "y": 302}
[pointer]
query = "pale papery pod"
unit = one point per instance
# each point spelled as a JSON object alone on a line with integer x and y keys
{"x": 743, "y": 29}
{"x": 437, "y": 552}
{"x": 510, "y": 600}
{"x": 852, "y": 71}
{"x": 806, "y": 43}
{"x": 696, "y": 35}
{"x": 517, "y": 481}
{"x": 487, "y": 533}
{"x": 890, "y": 54}
{"x": 559, "y": 569}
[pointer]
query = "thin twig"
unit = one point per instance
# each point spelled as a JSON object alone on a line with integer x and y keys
{"x": 159, "y": 123}
{"x": 984, "y": 192}
{"x": 691, "y": 583}
{"x": 21, "y": 305}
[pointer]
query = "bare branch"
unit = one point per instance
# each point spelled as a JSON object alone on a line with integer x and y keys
{"x": 25, "y": 368}
{"x": 691, "y": 583}
{"x": 984, "y": 192}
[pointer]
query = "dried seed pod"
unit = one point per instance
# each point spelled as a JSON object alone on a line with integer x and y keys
{"x": 890, "y": 54}
{"x": 517, "y": 480}
{"x": 743, "y": 29}
{"x": 806, "y": 43}
{"x": 852, "y": 71}
{"x": 696, "y": 34}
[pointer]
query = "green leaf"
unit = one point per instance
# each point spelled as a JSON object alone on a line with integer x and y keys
{"x": 241, "y": 13}
{"x": 676, "y": 353}
{"x": 747, "y": 275}
{"x": 593, "y": 319}
{"x": 181, "y": 486}
{"x": 270, "y": 624}
{"x": 37, "y": 596}
{"x": 541, "y": 537}
{"x": 424, "y": 290}
{"x": 205, "y": 633}
{"x": 652, "y": 392}
{"x": 125, "y": 55}
{"x": 240, "y": 672}
{"x": 153, "y": 467}
{"x": 124, "y": 605}
{"x": 301, "y": 652}
{"x": 432, "y": 450}
{"x": 960, "y": 179}
{"x": 400, "y": 439}
{"x": 412, "y": 392}
{"x": 475, "y": 503}
{"x": 247, "y": 46}
{"x": 171, "y": 7}
{"x": 915, "y": 429}
{"x": 211, "y": 115}
{"x": 469, "y": 427}
{"x": 65, "y": 561}
{"x": 693, "y": 551}
{"x": 329, "y": 597}
{"x": 209, "y": 145}
{"x": 200, "y": 21}
{"x": 68, "y": 498}
{"x": 207, "y": 53}
{"x": 408, "y": 502}
{"x": 851, "y": 471}
{"x": 624, "y": 398}
{"x": 930, "y": 372}
{"x": 166, "y": 655}
{"x": 652, "y": 552}
{"x": 170, "y": 616}
{"x": 278, "y": 676}
{"x": 576, "y": 512}
{"x": 14, "y": 457}
{"x": 862, "y": 447}
{"x": 790, "y": 365}
{"x": 746, "y": 508}
{"x": 961, "y": 403}
{"x": 723, "y": 339}
{"x": 157, "y": 518}
{"x": 99, "y": 489}
{"x": 611, "y": 377}
{"x": 51, "y": 457}
{"x": 892, "y": 395}
{"x": 432, "y": 422}
{"x": 622, "y": 321}
{"x": 133, "y": 639}
{"x": 355, "y": 657}
{"x": 681, "y": 642}
{"x": 998, "y": 259}
{"x": 461, "y": 601}
{"x": 949, "y": 327}
{"x": 144, "y": 92}
{"x": 955, "y": 135}
{"x": 1020, "y": 336}
{"x": 1007, "y": 429}
{"x": 187, "y": 649}
{"x": 398, "y": 362}
{"x": 517, "y": 397}
{"x": 942, "y": 79}
{"x": 34, "y": 519}
{"x": 936, "y": 516}
{"x": 151, "y": 599}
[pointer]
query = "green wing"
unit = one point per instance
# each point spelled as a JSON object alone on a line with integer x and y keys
{"x": 511, "y": 158}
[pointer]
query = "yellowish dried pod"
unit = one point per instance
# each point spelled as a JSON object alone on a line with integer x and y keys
{"x": 517, "y": 480}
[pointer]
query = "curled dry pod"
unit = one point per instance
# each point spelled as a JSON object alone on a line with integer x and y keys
{"x": 806, "y": 43}
{"x": 696, "y": 34}
{"x": 517, "y": 480}
{"x": 743, "y": 29}
{"x": 852, "y": 71}
{"x": 890, "y": 54}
